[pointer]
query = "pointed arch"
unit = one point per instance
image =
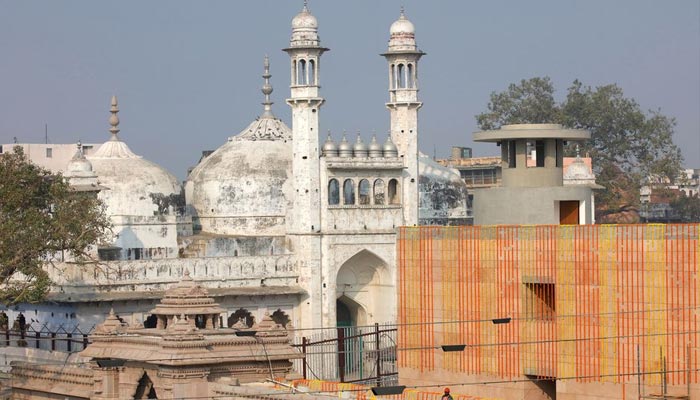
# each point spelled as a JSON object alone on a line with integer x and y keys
{"x": 145, "y": 389}
{"x": 361, "y": 289}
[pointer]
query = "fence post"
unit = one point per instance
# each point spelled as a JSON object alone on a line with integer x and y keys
{"x": 53, "y": 341}
{"x": 303, "y": 350}
{"x": 85, "y": 341}
{"x": 379, "y": 354}
{"x": 341, "y": 353}
{"x": 7, "y": 337}
{"x": 37, "y": 344}
{"x": 69, "y": 341}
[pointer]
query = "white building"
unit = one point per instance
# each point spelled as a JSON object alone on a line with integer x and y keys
{"x": 272, "y": 220}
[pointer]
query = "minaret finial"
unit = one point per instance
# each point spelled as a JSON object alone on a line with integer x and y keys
{"x": 114, "y": 119}
{"x": 306, "y": 5}
{"x": 403, "y": 13}
{"x": 578, "y": 151}
{"x": 267, "y": 89}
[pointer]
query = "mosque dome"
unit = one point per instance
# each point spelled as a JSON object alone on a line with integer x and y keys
{"x": 79, "y": 165}
{"x": 359, "y": 149}
{"x": 243, "y": 187}
{"x": 402, "y": 26}
{"x": 390, "y": 149}
{"x": 344, "y": 148}
{"x": 375, "y": 149}
{"x": 132, "y": 185}
{"x": 330, "y": 149}
{"x": 304, "y": 20}
{"x": 442, "y": 193}
{"x": 578, "y": 173}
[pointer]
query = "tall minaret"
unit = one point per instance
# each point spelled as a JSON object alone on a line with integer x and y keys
{"x": 402, "y": 57}
{"x": 305, "y": 53}
{"x": 304, "y": 218}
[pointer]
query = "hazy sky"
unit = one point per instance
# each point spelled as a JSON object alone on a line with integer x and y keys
{"x": 187, "y": 73}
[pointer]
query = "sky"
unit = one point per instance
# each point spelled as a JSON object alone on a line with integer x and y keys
{"x": 187, "y": 73}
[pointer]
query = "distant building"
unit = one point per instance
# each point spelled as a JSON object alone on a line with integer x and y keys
{"x": 54, "y": 157}
{"x": 656, "y": 196}
{"x": 486, "y": 172}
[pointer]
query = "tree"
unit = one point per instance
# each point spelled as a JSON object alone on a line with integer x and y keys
{"x": 687, "y": 207}
{"x": 627, "y": 145}
{"x": 41, "y": 218}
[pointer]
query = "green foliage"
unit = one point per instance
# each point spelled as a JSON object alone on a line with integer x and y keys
{"x": 687, "y": 207}
{"x": 627, "y": 145}
{"x": 40, "y": 218}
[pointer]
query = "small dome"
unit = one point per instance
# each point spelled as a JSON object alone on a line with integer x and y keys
{"x": 390, "y": 149}
{"x": 344, "y": 149}
{"x": 375, "y": 149}
{"x": 136, "y": 186}
{"x": 79, "y": 165}
{"x": 360, "y": 148}
{"x": 402, "y": 26}
{"x": 330, "y": 149}
{"x": 578, "y": 173}
{"x": 304, "y": 20}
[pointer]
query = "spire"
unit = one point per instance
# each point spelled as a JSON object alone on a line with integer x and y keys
{"x": 403, "y": 13}
{"x": 306, "y": 6}
{"x": 578, "y": 152}
{"x": 267, "y": 90}
{"x": 114, "y": 119}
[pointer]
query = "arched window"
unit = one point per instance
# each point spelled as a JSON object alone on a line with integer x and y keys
{"x": 333, "y": 192}
{"x": 312, "y": 72}
{"x": 363, "y": 192}
{"x": 301, "y": 73}
{"x": 393, "y": 192}
{"x": 348, "y": 192}
{"x": 150, "y": 322}
{"x": 392, "y": 76}
{"x": 379, "y": 192}
{"x": 410, "y": 76}
{"x": 401, "y": 72}
{"x": 242, "y": 315}
{"x": 294, "y": 72}
{"x": 280, "y": 317}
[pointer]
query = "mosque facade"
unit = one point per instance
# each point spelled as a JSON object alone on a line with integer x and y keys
{"x": 274, "y": 221}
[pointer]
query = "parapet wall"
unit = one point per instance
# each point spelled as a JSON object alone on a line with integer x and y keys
{"x": 151, "y": 275}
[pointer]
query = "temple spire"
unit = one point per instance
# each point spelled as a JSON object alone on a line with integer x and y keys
{"x": 267, "y": 90}
{"x": 114, "y": 119}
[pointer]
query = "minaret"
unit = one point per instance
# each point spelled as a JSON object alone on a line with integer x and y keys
{"x": 402, "y": 57}
{"x": 304, "y": 218}
{"x": 305, "y": 56}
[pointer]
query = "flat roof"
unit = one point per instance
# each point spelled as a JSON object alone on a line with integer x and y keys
{"x": 531, "y": 131}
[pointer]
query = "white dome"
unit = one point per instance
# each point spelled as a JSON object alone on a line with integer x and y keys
{"x": 402, "y": 26}
{"x": 304, "y": 20}
{"x": 134, "y": 186}
{"x": 442, "y": 193}
{"x": 243, "y": 187}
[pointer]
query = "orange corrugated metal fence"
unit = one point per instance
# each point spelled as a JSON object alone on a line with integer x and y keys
{"x": 590, "y": 302}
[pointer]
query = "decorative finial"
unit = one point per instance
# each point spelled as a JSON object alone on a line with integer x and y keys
{"x": 306, "y": 5}
{"x": 267, "y": 89}
{"x": 403, "y": 14}
{"x": 578, "y": 151}
{"x": 114, "y": 119}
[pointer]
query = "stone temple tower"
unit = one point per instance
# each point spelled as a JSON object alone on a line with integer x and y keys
{"x": 304, "y": 217}
{"x": 402, "y": 57}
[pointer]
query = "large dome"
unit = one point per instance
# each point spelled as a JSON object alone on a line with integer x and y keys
{"x": 243, "y": 187}
{"x": 133, "y": 185}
